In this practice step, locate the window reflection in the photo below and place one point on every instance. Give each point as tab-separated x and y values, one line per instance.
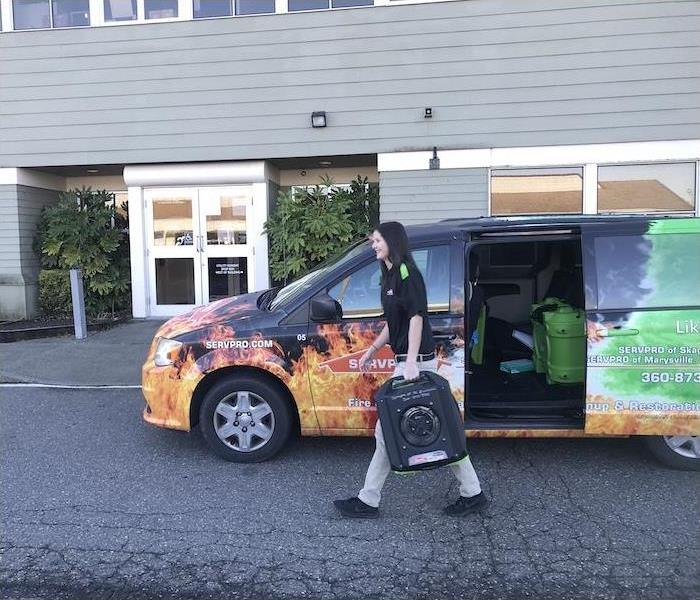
226	220
646	188
172	222
120	10
537	191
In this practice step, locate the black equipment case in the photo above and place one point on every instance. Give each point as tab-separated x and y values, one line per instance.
422	424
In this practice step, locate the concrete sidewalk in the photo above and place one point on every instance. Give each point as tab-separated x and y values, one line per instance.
110	357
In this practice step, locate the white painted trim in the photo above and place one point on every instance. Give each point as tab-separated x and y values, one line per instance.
185	9
7	15
137	252
549	156
281	6
260	271
31	178
194	174
590	189
97	16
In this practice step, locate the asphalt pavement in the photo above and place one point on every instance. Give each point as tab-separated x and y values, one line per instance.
96	504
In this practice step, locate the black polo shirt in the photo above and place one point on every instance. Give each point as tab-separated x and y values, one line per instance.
404	296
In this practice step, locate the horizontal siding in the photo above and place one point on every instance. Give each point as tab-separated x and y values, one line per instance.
9	232
496	72
31	200
413	197
20	207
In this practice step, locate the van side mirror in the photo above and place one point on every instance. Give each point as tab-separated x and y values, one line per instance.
325	309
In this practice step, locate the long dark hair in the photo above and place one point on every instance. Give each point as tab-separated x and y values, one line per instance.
394	235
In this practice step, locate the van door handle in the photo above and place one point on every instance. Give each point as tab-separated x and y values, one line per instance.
444	336
616	332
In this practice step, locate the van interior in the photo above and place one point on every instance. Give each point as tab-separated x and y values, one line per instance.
524	289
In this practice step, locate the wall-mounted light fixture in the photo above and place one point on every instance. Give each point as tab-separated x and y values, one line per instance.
318	118
428	112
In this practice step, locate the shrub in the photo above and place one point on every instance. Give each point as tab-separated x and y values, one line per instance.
309	226
54	293
84	230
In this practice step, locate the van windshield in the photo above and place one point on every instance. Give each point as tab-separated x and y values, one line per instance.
291	291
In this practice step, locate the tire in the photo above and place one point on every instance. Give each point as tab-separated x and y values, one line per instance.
244	419
676	451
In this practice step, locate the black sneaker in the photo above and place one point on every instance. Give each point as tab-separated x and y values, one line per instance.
354	508
465	505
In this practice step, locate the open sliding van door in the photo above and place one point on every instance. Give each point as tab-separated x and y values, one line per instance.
642	285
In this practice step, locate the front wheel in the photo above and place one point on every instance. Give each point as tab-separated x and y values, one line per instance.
677	451
245	420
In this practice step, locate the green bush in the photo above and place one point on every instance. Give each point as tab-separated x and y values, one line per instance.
54	293
309	226
84	230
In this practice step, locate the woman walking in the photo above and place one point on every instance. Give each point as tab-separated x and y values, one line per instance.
407	331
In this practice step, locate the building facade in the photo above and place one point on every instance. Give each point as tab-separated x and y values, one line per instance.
199	111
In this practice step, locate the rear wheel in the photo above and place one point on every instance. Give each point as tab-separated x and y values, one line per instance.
677	451
245	420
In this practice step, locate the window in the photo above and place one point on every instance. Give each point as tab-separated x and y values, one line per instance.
254	7
358	293
43	14
32	14
349	3
71	13
211	8
160	9
120	10
307	4
321	4
537	191
661	187
647	271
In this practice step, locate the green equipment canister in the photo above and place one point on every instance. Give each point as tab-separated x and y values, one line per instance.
566	344
539	335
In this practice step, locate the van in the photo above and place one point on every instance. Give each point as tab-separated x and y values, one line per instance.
588	326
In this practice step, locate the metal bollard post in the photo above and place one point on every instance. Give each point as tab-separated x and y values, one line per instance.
76	290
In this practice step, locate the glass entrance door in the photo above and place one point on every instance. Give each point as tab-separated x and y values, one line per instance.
173	223
225	252
198	248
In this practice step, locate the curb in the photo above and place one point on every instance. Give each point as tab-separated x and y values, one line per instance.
18	335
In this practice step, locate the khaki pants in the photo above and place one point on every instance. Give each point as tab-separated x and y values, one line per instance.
379	467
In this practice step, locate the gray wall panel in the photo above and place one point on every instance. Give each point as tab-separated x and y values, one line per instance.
497	73
411	197
19	265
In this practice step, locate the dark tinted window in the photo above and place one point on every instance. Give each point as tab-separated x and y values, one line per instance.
648	271
507	255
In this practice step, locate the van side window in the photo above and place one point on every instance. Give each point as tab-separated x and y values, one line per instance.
358	293
648	271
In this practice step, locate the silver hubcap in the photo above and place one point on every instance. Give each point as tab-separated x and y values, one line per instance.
244	421
685	445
